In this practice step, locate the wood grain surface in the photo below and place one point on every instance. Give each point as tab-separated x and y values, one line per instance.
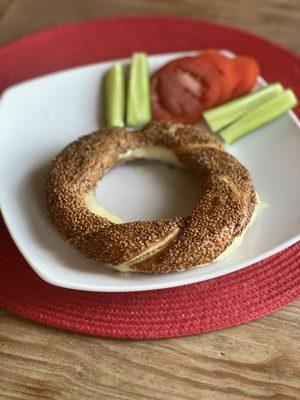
258	360
277	20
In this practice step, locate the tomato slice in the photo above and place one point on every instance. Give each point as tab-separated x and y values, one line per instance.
248	71
226	69
183	89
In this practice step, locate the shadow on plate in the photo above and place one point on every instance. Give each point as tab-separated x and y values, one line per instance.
32	201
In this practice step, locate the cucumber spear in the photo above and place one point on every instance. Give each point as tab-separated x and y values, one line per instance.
138	94
259	116
115	96
219	117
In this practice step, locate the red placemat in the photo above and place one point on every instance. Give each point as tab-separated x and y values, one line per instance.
229	300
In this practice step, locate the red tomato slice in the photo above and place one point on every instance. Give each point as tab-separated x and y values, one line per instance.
227	71
183	89
248	71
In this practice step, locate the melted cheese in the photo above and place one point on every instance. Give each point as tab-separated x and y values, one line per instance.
125	267
97	209
239	239
157	153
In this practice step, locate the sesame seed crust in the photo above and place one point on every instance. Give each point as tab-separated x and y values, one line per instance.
222	212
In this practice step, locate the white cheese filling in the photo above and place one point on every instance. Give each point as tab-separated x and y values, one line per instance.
125	267
97	209
157	153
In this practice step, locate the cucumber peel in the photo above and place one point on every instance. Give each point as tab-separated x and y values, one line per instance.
219	117
138	95
115	96
259	116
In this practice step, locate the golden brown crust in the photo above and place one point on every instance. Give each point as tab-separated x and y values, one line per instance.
223	211
128	240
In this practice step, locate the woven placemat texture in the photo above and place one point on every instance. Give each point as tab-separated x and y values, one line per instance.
218	303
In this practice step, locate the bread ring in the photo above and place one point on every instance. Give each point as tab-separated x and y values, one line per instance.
221	214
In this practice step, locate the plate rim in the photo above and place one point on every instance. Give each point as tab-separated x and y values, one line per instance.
152	286
162	286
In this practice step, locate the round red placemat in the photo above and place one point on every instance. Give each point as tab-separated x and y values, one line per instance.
229	300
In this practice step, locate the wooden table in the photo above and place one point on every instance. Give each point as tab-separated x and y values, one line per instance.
258	360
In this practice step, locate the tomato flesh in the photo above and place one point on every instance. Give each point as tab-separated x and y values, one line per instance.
183	89
227	72
248	71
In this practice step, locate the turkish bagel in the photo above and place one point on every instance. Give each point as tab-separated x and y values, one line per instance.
221	214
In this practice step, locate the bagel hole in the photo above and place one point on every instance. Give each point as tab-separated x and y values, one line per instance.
148	190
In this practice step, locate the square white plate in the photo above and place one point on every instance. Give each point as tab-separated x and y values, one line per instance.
39	117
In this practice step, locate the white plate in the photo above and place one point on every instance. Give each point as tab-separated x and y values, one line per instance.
39	117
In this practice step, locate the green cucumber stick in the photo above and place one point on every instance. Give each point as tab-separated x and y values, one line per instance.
138	94
259	116
115	96
223	115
